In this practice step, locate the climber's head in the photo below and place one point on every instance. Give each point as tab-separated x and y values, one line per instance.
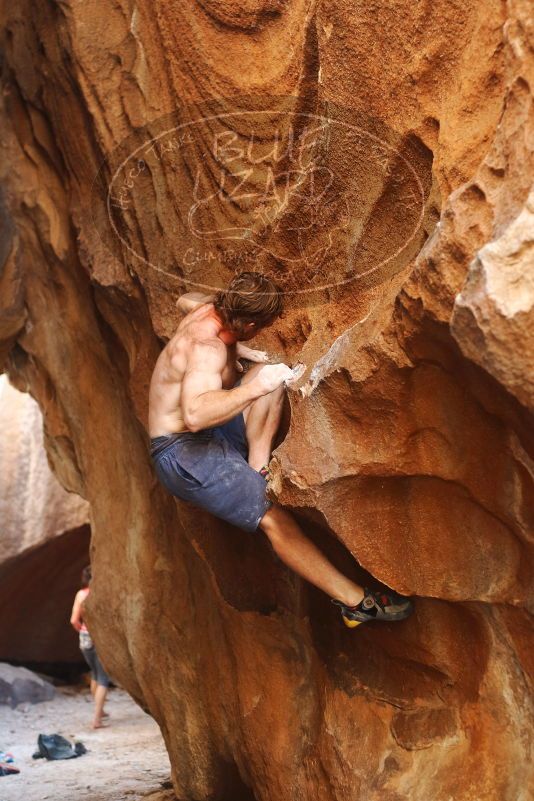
86	576
250	302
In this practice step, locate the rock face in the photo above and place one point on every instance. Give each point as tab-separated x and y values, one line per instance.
44	540
398	226
19	686
493	319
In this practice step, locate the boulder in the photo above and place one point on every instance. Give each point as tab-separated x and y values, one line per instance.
34	507
20	686
44	541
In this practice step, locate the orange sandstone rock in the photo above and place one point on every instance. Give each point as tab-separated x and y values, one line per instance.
408	453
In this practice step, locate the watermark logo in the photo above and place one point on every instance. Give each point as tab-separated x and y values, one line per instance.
316	199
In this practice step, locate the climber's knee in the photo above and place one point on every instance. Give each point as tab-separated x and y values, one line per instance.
262	416
250	374
277	395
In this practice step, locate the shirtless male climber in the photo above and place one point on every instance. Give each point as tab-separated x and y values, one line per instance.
212	433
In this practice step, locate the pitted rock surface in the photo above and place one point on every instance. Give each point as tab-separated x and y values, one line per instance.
408	451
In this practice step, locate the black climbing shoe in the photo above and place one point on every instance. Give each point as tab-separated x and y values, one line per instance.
386	606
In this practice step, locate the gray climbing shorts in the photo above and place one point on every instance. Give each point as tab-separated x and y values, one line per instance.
209	468
98	673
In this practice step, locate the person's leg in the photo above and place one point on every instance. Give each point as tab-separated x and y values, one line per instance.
262	420
93	687
100	700
302	556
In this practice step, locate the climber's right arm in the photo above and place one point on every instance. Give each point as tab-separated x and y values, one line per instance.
203	400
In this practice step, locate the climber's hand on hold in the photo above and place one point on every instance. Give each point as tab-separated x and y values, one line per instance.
297	371
256	356
270	377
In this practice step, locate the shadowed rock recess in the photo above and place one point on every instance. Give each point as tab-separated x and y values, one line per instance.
140	160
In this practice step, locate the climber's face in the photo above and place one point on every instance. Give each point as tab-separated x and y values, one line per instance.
248	331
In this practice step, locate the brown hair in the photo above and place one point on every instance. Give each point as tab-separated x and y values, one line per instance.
249	298
86	576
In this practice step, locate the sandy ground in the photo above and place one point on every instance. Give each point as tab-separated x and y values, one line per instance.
124	762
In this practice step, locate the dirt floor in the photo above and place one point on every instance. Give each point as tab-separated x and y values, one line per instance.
124	761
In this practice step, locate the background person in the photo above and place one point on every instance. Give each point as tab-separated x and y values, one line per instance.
99	677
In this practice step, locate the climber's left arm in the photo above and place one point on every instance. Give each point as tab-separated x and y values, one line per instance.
257	356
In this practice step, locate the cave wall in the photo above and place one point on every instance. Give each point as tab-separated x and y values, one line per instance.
409	444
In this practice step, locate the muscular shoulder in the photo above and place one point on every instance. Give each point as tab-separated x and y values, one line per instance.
198	346
206	352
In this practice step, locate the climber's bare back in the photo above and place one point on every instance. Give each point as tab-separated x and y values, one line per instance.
184	353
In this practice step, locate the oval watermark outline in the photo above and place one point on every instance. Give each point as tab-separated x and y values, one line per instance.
224	115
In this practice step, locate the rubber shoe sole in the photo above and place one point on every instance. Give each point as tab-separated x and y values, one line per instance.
355	617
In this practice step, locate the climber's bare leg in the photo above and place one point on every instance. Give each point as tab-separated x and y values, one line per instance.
302	556
262	420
